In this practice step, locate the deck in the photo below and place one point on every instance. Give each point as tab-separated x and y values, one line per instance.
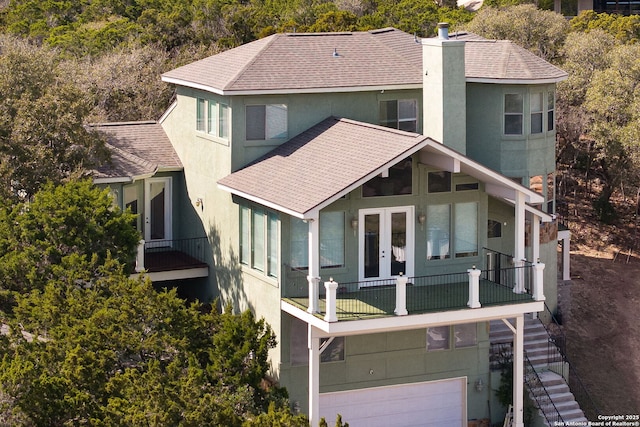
375	302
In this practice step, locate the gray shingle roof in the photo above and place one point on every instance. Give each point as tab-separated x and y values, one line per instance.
137	149
323	162
366	60
306	61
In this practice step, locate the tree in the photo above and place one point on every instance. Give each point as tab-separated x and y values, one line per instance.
73	219
109	350
539	31
42	137
625	29
613	99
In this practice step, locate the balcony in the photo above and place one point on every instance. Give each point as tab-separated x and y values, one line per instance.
180	259
425	294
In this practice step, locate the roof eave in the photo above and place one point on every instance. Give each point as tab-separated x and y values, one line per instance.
516	81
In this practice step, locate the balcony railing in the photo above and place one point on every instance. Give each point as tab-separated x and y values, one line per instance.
423	294
168	255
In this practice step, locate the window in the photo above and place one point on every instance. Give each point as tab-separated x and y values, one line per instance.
265	122
332	349
438	226
535	103
466	229
551	106
200	115
494	229
212	118
439	182
398	182
438	338
259	240
331	241
467	186
513	114
465	335
399	114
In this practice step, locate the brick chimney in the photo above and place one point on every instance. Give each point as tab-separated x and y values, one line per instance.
444	90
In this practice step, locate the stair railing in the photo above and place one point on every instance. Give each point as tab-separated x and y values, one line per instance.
558	338
540	394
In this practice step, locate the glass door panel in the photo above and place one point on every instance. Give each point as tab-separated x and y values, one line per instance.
398	243
371	246
157	214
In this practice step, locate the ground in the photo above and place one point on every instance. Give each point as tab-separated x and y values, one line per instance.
600	305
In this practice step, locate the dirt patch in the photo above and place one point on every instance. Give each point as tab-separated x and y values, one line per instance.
601	316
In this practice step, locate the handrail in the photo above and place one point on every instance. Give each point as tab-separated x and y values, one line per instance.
542	399
574	381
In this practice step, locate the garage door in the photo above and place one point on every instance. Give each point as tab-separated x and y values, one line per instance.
434	403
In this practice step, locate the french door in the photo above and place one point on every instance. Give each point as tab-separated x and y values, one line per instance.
157	212
386	243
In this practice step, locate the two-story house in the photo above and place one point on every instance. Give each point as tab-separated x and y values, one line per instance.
377	198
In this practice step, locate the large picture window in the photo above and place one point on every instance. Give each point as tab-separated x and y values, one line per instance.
265	122
513	113
438	229
466	229
259	239
398	182
464	243
331	241
399	114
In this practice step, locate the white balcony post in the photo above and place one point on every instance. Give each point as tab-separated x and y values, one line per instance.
314	265
140	257
313	294
474	287
314	377
538	281
331	288
518	373
519	276
401	296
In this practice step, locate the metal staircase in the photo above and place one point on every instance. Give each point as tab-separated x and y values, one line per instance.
547	389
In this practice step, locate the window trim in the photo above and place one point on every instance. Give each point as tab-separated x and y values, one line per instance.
539	112
551	111
513	114
253	219
386	122
210	120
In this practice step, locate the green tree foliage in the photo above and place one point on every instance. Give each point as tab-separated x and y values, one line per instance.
73	219
108	350
42	137
540	31
625	29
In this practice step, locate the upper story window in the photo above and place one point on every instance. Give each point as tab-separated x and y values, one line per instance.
399	114
535	103
265	122
551	106
513	113
331	241
396	181
463	228
259	239
212	118
439	182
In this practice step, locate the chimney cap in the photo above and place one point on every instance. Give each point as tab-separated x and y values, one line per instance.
443	25
443	30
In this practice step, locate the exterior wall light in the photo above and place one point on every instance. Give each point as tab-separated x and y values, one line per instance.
479	385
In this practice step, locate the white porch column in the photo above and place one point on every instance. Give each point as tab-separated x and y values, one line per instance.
535	238
401	296
331	288
565	236
314	264
518	373
314	377
538	281
140	257
474	287
518	253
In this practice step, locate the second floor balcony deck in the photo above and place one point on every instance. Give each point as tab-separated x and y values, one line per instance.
173	259
425	294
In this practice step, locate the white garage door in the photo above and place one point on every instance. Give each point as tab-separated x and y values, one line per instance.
434	403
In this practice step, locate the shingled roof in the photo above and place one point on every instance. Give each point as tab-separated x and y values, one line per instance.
350	61
334	157
321	164
138	149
